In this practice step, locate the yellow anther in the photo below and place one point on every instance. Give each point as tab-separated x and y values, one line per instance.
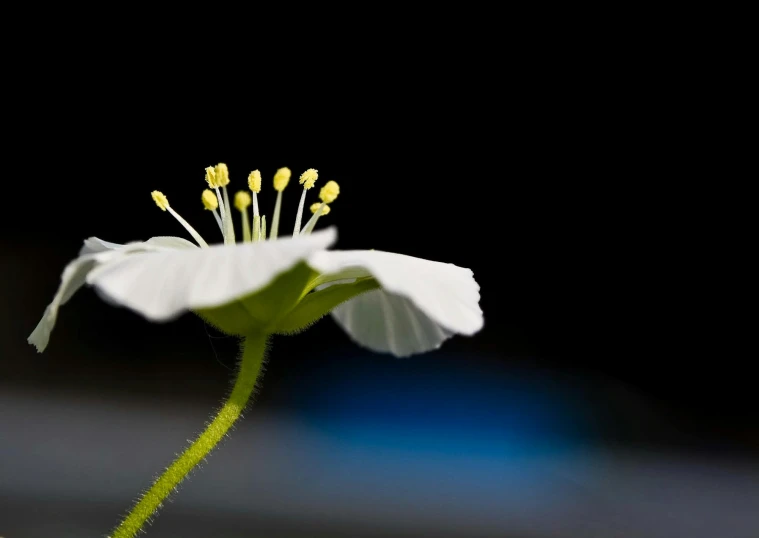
254	181
222	175
329	192
308	178
315	208
211	177
210	202
160	200
281	179
242	200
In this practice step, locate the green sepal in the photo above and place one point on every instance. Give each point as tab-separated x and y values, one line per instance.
317	304
263	309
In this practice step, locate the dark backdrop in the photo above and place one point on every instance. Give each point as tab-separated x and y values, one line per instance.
556	203
556	194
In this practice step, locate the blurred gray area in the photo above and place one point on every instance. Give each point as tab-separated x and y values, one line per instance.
70	465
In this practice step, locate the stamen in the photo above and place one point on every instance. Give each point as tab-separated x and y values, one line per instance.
162	202
318	210
254	183
211	204
212	183
307	179
221	175
222	208
242	202
256	228
222	180
281	179
322	208
263	228
209	200
329	192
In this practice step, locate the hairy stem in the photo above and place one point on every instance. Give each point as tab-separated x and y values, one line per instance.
254	349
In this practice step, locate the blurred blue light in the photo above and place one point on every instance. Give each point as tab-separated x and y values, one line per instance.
443	406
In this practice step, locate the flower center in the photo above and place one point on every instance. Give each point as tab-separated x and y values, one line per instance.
216	200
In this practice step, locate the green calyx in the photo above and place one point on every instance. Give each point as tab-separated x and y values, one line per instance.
289	304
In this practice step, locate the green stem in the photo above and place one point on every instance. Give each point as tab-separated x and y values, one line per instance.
254	349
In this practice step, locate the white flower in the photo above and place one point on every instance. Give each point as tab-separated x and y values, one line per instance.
384	301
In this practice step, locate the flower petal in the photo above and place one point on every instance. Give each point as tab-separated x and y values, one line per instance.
389	323
94	244
421	303
168	241
72	279
94	253
161	285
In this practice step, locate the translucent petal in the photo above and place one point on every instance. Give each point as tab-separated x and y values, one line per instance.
95	252
389	323
72	279
415	295
93	244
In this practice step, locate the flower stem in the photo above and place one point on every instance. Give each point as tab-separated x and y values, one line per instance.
254	349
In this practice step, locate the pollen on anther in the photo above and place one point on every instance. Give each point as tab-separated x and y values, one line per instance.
222	175
329	192
315	208
211	177
281	179
254	181
160	200
308	178
242	200
210	201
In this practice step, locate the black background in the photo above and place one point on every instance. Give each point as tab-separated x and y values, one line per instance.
549	174
568	158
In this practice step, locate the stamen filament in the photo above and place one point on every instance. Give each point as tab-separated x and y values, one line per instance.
256	228
195	235
245	226
299	215
309	227
256	225
263	228
163	204
255	205
223	213
218	221
229	226
211	203
242	202
307	179
275	220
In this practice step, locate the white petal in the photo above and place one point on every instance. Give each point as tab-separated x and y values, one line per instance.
73	277
94	253
389	324
161	285
167	241
93	244
421	303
